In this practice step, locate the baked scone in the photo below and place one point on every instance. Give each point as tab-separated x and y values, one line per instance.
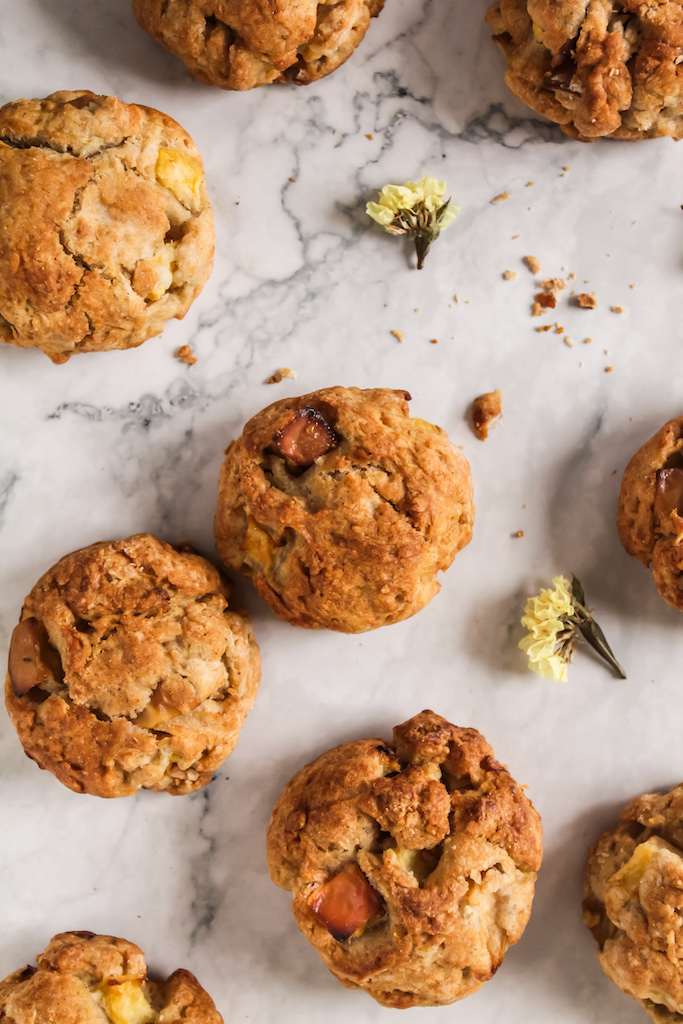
411	864
650	516
240	44
128	670
634	903
342	509
106	230
596	67
83	978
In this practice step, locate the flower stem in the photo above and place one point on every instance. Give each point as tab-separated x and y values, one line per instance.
590	630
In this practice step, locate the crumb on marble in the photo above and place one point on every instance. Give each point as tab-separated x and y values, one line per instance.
515	236
609	369
500	198
568	341
631	286
433	341
456	297
397	334
554	284
509	275
369	135
545	327
292	179
416	310
572	276
546	300
559	329
186	355
280	374
530	183
617	309
485	409
519	533
586	301
588	341
533	264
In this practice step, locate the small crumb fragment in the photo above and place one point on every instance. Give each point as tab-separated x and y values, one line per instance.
546	300
434	341
537	310
607	351
617	309
485	410
509	275
545	327
587	301
609	369
398	335
588	341
515	236
416	310
520	533
572	276
530	183
292	179
186	355
566	168
280	374
456	297
631	286
568	341
554	284
559	329
501	198
369	136
533	264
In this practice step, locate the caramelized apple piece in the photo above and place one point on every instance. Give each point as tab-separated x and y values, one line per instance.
306	437
668	492
346	903
25	666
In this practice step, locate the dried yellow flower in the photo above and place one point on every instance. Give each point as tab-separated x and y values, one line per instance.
416	208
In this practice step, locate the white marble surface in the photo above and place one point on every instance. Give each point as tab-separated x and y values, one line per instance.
109	444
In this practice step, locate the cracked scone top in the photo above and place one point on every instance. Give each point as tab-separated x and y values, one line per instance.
106	230
241	44
596	67
634	903
342	509
411	864
83	978
650	516
128	670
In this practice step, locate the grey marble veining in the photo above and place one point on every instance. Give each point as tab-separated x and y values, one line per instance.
109	444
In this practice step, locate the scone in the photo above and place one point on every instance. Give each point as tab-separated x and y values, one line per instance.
342	509
596	67
411	864
634	903
84	978
239	44
128	670
106	230
650	516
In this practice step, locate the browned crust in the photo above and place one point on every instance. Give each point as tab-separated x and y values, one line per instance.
241	44
356	540
596	67
654	541
67	985
95	251
638	929
435	789
145	677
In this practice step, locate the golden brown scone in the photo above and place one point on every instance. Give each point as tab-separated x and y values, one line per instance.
634	903
239	44
650	516
342	509
411	864
596	67
128	670
106	230
84	978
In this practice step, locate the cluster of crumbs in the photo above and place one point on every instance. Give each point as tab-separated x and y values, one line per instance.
186	355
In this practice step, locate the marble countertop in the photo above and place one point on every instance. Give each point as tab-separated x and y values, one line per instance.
110	444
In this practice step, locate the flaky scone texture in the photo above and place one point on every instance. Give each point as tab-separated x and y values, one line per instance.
650	515
83	978
355	539
106	230
634	903
240	44
596	67
128	670
434	836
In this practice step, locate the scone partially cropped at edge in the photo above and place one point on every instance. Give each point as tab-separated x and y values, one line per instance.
128	670
634	903
650	516
342	509
596	67
411	864
241	44
106	230
83	978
